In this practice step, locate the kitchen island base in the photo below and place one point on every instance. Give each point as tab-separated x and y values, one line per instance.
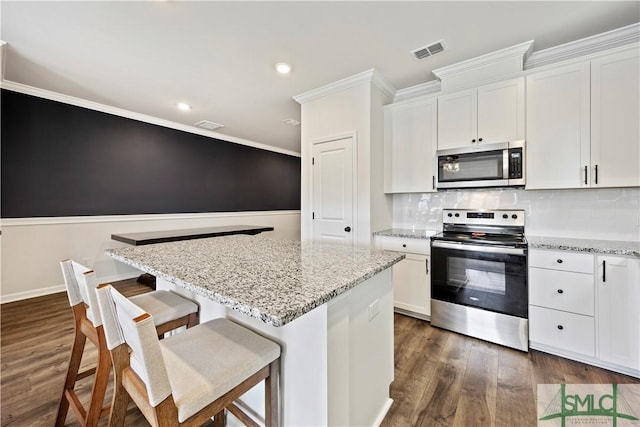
337	359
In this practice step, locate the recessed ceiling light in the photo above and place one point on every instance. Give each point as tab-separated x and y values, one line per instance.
283	68
184	106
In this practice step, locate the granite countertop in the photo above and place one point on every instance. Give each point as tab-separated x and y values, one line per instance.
275	281
406	232
610	247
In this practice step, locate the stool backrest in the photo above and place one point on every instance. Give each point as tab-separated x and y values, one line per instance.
81	282
125	322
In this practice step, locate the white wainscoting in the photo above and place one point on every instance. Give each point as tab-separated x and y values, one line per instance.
31	248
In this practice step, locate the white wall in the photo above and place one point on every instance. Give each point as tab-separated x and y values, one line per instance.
336	114
608	214
31	248
349	109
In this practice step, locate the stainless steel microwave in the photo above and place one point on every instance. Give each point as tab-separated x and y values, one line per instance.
491	165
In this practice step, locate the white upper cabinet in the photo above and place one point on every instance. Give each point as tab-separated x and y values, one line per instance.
615	120
583	126
618	318
558	127
410	144
483	115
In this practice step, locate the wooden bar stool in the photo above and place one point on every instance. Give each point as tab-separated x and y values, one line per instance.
171	311
188	378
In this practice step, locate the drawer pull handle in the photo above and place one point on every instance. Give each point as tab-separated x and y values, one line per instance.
560	327
560	291
559	261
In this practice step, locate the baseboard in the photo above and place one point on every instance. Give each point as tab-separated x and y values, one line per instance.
383	412
19	296
584	359
410	313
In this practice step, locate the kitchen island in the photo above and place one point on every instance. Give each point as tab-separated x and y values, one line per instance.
329	307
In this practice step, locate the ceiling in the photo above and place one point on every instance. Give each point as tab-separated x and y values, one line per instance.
219	56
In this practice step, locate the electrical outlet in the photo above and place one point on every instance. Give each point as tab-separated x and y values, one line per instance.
373	310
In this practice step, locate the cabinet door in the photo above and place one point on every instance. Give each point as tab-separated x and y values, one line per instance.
618	318
501	111
457	119
615	123
558	122
410	143
412	284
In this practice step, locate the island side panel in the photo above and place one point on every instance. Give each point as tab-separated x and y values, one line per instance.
303	376
360	324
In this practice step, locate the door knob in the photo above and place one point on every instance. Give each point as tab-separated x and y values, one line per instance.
347	229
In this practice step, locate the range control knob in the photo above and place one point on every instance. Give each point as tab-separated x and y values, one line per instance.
457	215
514	216
449	214
505	216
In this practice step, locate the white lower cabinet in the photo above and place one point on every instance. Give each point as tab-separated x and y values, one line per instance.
566	331
411	276
618	295
586	307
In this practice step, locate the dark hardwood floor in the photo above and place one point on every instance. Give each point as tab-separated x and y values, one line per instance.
441	378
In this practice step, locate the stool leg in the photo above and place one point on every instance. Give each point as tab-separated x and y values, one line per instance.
271	395
120	357
219	420
100	380
77	349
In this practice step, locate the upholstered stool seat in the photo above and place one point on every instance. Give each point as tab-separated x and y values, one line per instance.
187	378
165	306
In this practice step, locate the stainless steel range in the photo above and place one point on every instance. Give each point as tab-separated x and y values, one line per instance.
479	276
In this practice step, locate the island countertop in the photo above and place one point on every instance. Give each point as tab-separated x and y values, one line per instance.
275	281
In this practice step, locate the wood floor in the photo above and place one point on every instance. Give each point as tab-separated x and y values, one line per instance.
441	378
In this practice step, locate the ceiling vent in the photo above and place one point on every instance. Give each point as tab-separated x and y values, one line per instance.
291	122
427	51
206	124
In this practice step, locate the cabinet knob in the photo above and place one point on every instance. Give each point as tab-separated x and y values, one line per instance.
560	291
560	327
404	245
473	140
559	261
347	229
479	139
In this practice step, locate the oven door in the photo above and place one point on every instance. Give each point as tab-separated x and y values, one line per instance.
486	277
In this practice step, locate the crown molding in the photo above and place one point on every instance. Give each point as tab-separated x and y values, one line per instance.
519	50
427	88
79	102
369	76
588	45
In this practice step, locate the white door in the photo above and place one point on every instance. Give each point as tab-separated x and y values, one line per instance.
557	121
618	318
333	191
457	119
615	128
412	146
501	111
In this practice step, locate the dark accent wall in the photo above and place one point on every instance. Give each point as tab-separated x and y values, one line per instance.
63	160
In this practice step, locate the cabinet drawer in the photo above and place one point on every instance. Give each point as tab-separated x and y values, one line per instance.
402	244
571	332
562	290
562	260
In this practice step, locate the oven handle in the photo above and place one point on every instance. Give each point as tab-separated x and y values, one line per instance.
479	248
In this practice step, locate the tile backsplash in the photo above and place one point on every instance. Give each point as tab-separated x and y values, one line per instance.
609	214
